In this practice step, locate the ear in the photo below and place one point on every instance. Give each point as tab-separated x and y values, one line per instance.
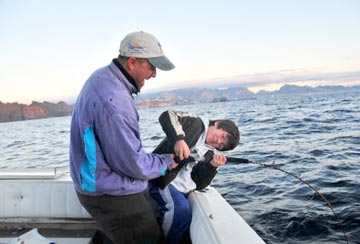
131	63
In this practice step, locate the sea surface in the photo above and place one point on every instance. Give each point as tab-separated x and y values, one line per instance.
314	136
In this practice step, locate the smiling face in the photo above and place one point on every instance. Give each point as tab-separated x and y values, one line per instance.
217	138
140	69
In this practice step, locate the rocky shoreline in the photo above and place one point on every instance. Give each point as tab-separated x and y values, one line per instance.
16	111
36	110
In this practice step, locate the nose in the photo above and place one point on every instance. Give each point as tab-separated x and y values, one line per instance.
153	74
218	140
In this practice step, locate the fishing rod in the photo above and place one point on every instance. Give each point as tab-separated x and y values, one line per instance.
274	166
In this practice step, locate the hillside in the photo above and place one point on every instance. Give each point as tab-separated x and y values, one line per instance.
231	93
194	95
17	111
293	89
37	110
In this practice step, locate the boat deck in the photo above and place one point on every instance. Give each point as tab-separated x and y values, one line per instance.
44	199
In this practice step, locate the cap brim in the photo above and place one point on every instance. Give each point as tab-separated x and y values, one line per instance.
162	63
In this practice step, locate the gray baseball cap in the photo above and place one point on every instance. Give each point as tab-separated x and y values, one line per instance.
144	45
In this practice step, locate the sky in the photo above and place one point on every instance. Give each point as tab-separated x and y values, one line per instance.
49	48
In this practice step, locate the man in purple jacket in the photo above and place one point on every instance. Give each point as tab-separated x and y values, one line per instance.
108	165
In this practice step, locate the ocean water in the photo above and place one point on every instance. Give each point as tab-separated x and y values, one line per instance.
315	136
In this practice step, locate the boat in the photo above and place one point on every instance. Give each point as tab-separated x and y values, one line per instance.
41	206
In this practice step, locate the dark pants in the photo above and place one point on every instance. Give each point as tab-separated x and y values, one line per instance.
124	219
176	213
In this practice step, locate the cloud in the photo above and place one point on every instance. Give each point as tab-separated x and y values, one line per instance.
290	76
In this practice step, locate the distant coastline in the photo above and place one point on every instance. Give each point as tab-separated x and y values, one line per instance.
36	110
233	92
16	111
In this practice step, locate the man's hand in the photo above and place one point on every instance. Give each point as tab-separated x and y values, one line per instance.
175	163
181	149
218	160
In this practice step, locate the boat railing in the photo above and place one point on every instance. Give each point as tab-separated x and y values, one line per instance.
33	173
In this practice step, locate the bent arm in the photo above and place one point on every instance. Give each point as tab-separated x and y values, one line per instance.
120	142
174	125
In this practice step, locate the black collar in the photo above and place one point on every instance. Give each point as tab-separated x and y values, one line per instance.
130	79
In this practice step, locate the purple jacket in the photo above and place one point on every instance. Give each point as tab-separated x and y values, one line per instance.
106	154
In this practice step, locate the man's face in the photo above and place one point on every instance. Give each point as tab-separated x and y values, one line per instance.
143	70
217	138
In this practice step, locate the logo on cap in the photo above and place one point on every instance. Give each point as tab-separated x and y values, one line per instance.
136	47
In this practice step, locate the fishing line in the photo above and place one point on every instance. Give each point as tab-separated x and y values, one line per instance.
274	166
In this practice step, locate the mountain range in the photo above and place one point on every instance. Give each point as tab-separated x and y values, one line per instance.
231	93
36	110
293	89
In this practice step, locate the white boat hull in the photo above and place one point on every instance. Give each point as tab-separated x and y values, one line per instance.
37	201
216	222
